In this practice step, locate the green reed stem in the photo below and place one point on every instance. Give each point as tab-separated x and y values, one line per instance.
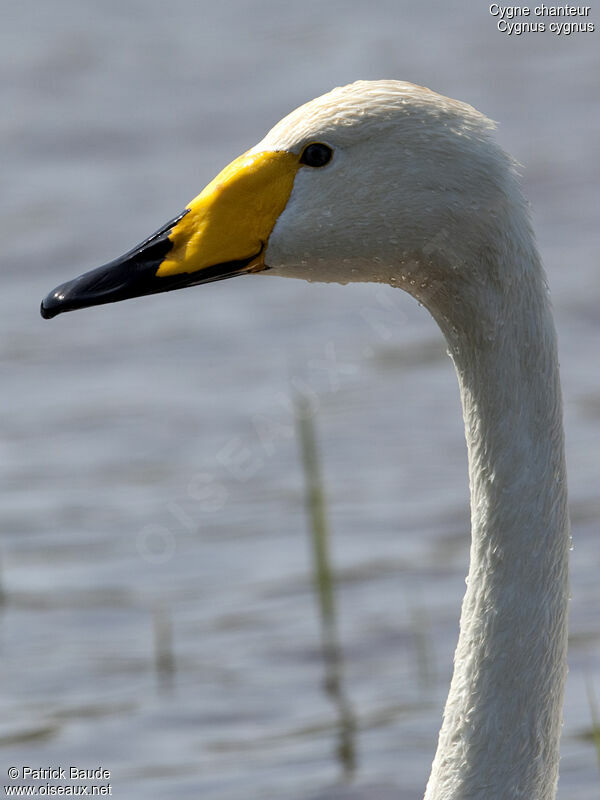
324	584
595	714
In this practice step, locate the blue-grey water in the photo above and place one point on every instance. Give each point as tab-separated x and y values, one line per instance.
152	498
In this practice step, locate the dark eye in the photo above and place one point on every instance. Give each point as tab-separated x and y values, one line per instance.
316	155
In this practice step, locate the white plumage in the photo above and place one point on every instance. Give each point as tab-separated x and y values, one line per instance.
419	195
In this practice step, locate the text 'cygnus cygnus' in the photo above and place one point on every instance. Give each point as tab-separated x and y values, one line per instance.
389	182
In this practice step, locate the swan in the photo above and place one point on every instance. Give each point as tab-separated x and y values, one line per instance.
390	182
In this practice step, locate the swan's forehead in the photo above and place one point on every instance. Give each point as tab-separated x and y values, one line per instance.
351	113
337	115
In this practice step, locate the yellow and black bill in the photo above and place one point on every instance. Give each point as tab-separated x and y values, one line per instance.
136	274
222	233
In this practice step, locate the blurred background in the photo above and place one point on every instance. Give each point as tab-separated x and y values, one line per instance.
158	615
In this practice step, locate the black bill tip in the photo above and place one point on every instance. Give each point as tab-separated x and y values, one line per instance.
115	281
131	275
51	305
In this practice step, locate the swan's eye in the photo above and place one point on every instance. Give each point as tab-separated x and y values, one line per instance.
316	155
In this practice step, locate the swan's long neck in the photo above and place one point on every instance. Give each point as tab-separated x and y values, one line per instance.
500	734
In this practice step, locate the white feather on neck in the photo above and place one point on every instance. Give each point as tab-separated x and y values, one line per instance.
503	715
420	196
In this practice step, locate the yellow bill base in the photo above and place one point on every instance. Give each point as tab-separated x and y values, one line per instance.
232	218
